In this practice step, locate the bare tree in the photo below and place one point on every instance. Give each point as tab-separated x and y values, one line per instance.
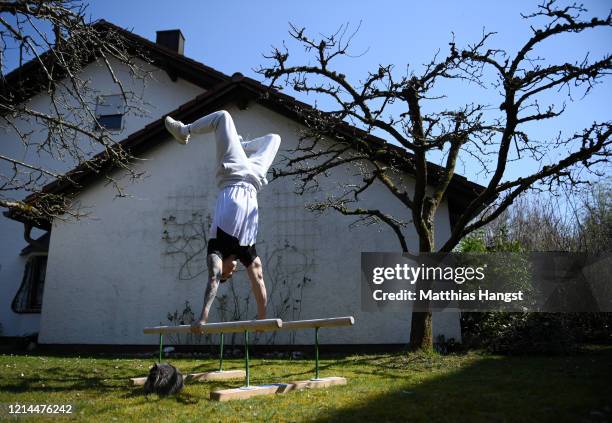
576	223
535	223
384	103
54	42
595	220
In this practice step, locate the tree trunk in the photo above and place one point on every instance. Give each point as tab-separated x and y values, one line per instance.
420	331
421	337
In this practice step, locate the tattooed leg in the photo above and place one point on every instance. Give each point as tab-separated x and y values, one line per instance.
215	266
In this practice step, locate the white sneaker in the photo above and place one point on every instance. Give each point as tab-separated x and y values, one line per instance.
176	129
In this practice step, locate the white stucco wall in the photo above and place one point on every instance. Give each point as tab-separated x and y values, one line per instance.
160	95
123	268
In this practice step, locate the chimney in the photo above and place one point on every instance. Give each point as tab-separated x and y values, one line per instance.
171	39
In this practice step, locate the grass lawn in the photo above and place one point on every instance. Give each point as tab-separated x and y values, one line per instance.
382	387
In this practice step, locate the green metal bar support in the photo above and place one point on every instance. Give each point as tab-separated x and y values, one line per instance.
246	358
221	353
316	353
161	347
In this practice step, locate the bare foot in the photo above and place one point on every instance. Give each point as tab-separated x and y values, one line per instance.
196	325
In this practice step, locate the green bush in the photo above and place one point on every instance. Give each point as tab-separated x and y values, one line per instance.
519	333
528	333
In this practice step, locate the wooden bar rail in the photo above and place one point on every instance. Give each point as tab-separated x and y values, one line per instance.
224	327
254	325
319	323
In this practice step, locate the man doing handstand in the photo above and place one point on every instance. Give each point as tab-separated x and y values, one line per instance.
241	173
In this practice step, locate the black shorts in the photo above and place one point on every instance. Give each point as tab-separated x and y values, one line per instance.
225	245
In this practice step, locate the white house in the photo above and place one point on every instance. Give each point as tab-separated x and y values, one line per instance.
139	260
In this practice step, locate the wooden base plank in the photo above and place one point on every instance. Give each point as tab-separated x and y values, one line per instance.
218	375
200	377
244	393
312	384
138	381
276	388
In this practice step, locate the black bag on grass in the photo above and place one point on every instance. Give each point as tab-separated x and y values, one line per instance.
163	379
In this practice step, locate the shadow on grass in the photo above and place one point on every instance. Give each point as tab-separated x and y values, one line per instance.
67	385
60	379
182	397
564	388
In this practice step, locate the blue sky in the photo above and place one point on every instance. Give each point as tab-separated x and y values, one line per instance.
231	36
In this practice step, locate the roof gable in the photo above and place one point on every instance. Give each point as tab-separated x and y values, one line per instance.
28	80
